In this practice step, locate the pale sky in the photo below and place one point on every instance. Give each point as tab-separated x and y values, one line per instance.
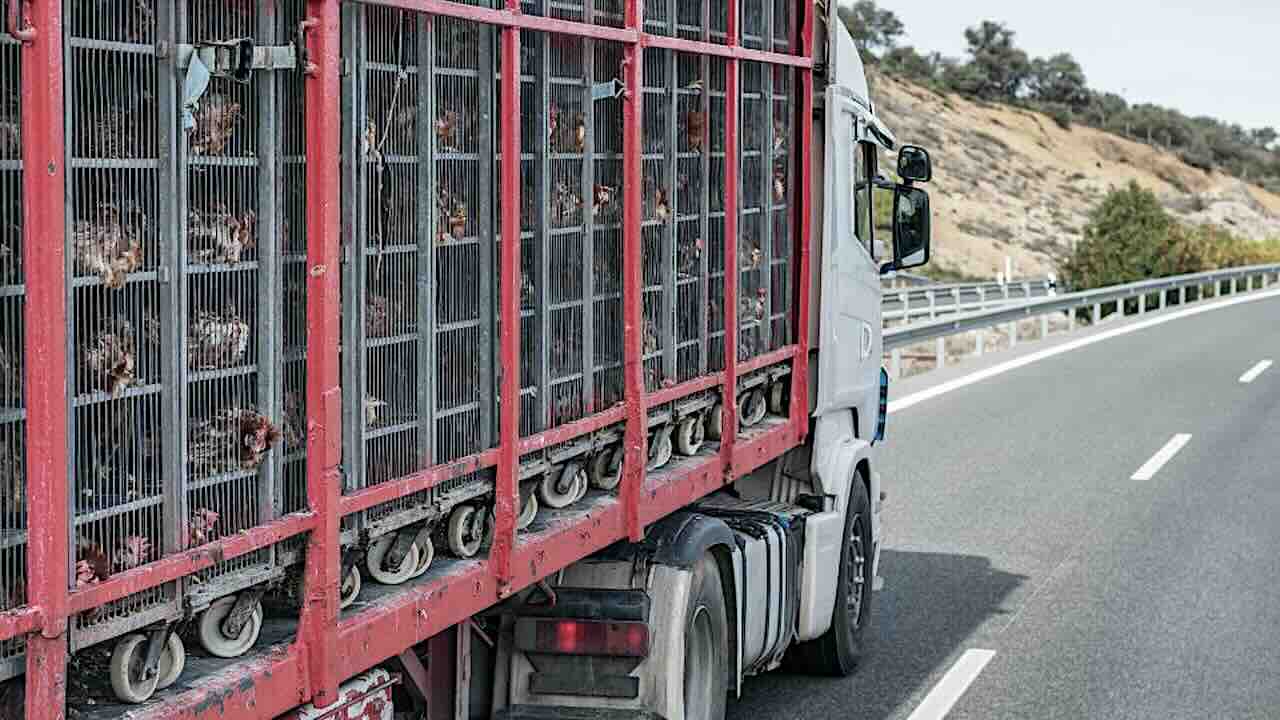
1204	57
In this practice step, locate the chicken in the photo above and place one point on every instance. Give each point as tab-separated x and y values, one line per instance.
779	135
219	236
13	484
696	130
527	290
377	316
604	196
216	120
217	341
110	358
580	133
652	343
779	186
235	439
369	141
202	527
553	124
447	131
10	133
372	406
92	565
107	248
10	378
688	256
750	255
565	205
661	208
458	221
134	552
295	422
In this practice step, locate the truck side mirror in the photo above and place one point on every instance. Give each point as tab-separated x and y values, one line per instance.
911	228
914	164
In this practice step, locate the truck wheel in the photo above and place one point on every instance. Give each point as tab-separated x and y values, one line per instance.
215	642
752	408
128	661
350	588
706	646
172	662
836	653
660	450
689	435
606	468
559	487
466	531
373	561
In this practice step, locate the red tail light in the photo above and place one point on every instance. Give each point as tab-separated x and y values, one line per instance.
583	637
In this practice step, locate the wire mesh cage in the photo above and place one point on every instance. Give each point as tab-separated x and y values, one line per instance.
716	73
121	327
13	493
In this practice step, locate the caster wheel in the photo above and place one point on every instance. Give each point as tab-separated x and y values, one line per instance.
778	398
374	558
466	531
690	434
426	553
660	450
606	468
128	660
752	408
581	484
560	489
172	662
714	418
350	589
215	642
528	508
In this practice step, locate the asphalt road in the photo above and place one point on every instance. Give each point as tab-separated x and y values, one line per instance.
1014	526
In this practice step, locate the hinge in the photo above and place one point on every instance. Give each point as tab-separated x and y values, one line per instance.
238	58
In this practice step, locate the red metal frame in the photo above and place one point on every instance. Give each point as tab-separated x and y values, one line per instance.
327	650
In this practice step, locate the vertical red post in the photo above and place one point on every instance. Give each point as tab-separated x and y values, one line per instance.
318	625
800	373
729	415
506	490
44	235
635	444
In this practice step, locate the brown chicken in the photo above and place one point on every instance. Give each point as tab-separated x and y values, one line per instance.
372	407
652	343
235	439
458	221
750	255
369	141
565	205
219	236
604	196
779	135
216	120
580	133
751	310
133	552
377	316
110	358
447	131
696	130
107	248
202	528
553	124
779	186
92	565
217	341
687	257
661	207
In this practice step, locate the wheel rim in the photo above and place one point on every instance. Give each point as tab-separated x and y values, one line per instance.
426	553
756	403
216	642
378	553
128	661
699	660
461	532
551	494
528	511
855	575
172	662
350	588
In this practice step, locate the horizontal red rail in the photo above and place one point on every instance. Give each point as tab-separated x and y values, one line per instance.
20	621
773	357
684	390
191	561
699	47
417	482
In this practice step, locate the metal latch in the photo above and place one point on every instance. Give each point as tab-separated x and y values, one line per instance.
238	58
608	90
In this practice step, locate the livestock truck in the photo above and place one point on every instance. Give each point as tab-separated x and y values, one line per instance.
437	358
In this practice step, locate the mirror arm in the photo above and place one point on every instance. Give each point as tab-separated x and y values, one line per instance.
888	267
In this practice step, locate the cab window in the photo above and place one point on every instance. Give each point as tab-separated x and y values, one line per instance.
863	171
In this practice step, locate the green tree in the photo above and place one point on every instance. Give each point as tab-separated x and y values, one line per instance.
1059	80
874	30
1126	240
906	62
999	68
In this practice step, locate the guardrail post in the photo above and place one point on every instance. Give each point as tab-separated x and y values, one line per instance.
955	298
1097	314
1013	334
1071	320
1235	282
1142	304
906	307
896	364
933	305
1184	290
1044	326
982	298
982	341
941	350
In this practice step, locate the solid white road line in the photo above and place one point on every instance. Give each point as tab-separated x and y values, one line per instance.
944	388
1255	372
1162	458
944	695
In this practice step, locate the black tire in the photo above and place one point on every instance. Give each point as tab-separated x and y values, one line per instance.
837	652
706	644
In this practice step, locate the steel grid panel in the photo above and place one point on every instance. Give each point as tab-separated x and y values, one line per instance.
125	487
716	70
13	356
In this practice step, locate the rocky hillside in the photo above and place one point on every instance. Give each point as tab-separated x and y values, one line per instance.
1010	182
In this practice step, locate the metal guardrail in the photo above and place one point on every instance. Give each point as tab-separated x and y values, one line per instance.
906	305
1240	280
